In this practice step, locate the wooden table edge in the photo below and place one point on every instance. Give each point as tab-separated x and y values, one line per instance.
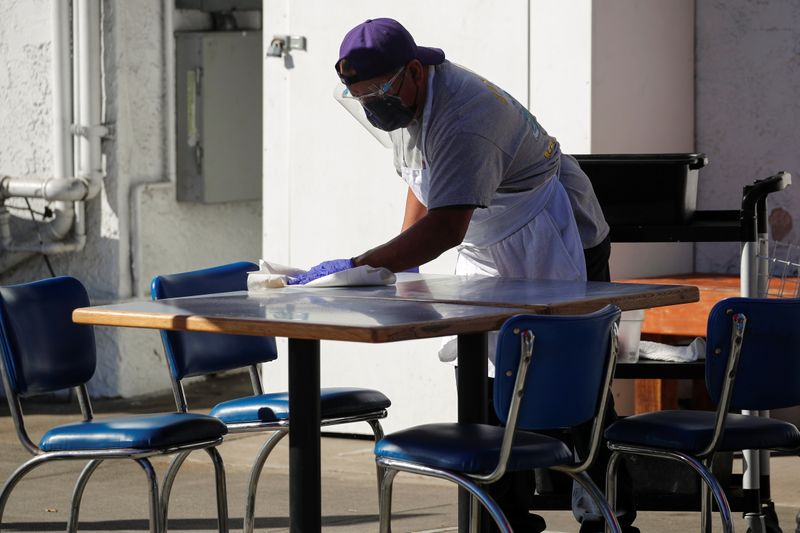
679	294
288	329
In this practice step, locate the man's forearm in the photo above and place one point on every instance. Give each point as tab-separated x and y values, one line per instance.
427	239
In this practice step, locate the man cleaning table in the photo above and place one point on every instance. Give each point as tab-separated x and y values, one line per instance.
484	177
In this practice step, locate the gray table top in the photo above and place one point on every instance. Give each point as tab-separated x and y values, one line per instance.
418	306
538	296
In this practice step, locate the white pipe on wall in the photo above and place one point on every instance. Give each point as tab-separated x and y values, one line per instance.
169	80
62	91
63	164
71	190
90	161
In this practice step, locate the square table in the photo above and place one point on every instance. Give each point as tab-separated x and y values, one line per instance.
418	306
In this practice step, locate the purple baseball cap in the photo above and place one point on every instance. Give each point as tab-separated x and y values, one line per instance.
379	46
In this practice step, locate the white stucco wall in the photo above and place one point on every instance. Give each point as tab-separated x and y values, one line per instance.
748	109
131	237
25	40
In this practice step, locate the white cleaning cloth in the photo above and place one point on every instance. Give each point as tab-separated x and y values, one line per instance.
273	275
677	354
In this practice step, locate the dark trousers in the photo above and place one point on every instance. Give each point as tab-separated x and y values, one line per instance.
597	261
514	491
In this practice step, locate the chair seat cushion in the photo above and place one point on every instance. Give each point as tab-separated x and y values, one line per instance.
691	431
273	407
140	432
471	448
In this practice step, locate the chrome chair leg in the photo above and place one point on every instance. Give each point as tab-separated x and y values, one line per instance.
487	501
462	481
705	504
705	474
16	476
166	486
385	499
588	485
155	514
377	430
77	494
715	488
611	484
222	492
474	514
255	474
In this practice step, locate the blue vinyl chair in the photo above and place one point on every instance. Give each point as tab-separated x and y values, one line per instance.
550	372
196	354
44	351
752	363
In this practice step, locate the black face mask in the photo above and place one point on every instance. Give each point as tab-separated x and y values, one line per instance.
389	113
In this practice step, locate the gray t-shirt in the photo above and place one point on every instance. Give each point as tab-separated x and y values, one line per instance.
477	140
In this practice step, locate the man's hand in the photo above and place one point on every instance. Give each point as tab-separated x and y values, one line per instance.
323	269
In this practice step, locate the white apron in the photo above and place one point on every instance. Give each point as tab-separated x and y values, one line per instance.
529	234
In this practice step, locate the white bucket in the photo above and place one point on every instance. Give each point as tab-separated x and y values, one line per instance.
630	333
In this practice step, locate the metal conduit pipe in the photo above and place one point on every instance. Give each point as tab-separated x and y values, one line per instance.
67	189
63	164
50	241
53	247
90	130
21	250
49	238
60	224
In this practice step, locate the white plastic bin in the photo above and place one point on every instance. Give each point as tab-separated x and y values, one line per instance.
630	333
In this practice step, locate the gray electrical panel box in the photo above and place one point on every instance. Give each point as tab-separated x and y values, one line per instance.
218	108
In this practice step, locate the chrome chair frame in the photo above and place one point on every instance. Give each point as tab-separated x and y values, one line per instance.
473	483
96	457
700	462
724	379
280	428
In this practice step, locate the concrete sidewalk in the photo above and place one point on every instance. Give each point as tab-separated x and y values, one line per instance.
115	499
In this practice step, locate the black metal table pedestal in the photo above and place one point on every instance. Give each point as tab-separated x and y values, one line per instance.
305	498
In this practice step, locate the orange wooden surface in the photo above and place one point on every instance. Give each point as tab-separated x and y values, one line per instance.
687	320
674	323
655	395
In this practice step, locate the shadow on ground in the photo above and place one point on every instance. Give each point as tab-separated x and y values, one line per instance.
201	524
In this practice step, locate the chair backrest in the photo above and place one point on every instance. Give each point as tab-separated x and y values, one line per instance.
195	354
768	374
567	373
43	350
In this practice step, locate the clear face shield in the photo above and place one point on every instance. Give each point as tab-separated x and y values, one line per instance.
405	141
353	106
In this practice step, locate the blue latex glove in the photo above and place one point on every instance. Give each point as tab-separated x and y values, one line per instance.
413	270
323	269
